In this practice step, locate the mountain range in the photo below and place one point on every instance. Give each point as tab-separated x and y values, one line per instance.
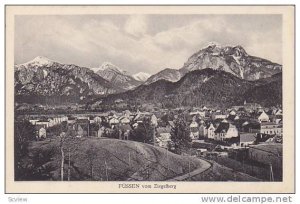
213	75
209	87
45	81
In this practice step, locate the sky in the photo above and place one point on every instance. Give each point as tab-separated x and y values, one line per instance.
142	43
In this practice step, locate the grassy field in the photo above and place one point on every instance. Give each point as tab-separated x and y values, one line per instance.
102	159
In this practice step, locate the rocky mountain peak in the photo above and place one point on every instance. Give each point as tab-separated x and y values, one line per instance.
110	66
117	76
38	61
232	59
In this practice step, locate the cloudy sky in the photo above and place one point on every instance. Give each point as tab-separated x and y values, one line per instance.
147	43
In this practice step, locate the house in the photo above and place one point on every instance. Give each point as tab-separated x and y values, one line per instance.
113	121
218	115
211	131
81	132
194	130
124	120
42	122
71	120
153	120
41	132
82	127
82	117
101	131
232	112
163	136
247	139
263	117
97	119
269	128
198	113
225	131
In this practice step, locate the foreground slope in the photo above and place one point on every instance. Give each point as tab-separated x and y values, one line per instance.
109	159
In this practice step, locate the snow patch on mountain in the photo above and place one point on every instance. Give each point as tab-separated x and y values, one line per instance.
110	66
39	61
141	76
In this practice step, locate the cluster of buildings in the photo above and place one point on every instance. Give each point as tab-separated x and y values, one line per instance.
238	125
93	125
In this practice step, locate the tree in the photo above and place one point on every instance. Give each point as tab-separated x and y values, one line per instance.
91	156
144	132
68	143
24	132
180	135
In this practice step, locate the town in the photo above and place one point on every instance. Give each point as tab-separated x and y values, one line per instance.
247	138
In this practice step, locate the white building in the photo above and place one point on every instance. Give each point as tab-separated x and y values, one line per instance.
226	130
263	117
42	133
211	131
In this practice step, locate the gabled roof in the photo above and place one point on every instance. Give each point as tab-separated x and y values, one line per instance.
171	123
223	127
263	113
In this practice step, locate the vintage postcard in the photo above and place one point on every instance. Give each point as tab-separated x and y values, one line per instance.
150	99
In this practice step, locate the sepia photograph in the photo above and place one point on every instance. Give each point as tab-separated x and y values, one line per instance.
122	96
